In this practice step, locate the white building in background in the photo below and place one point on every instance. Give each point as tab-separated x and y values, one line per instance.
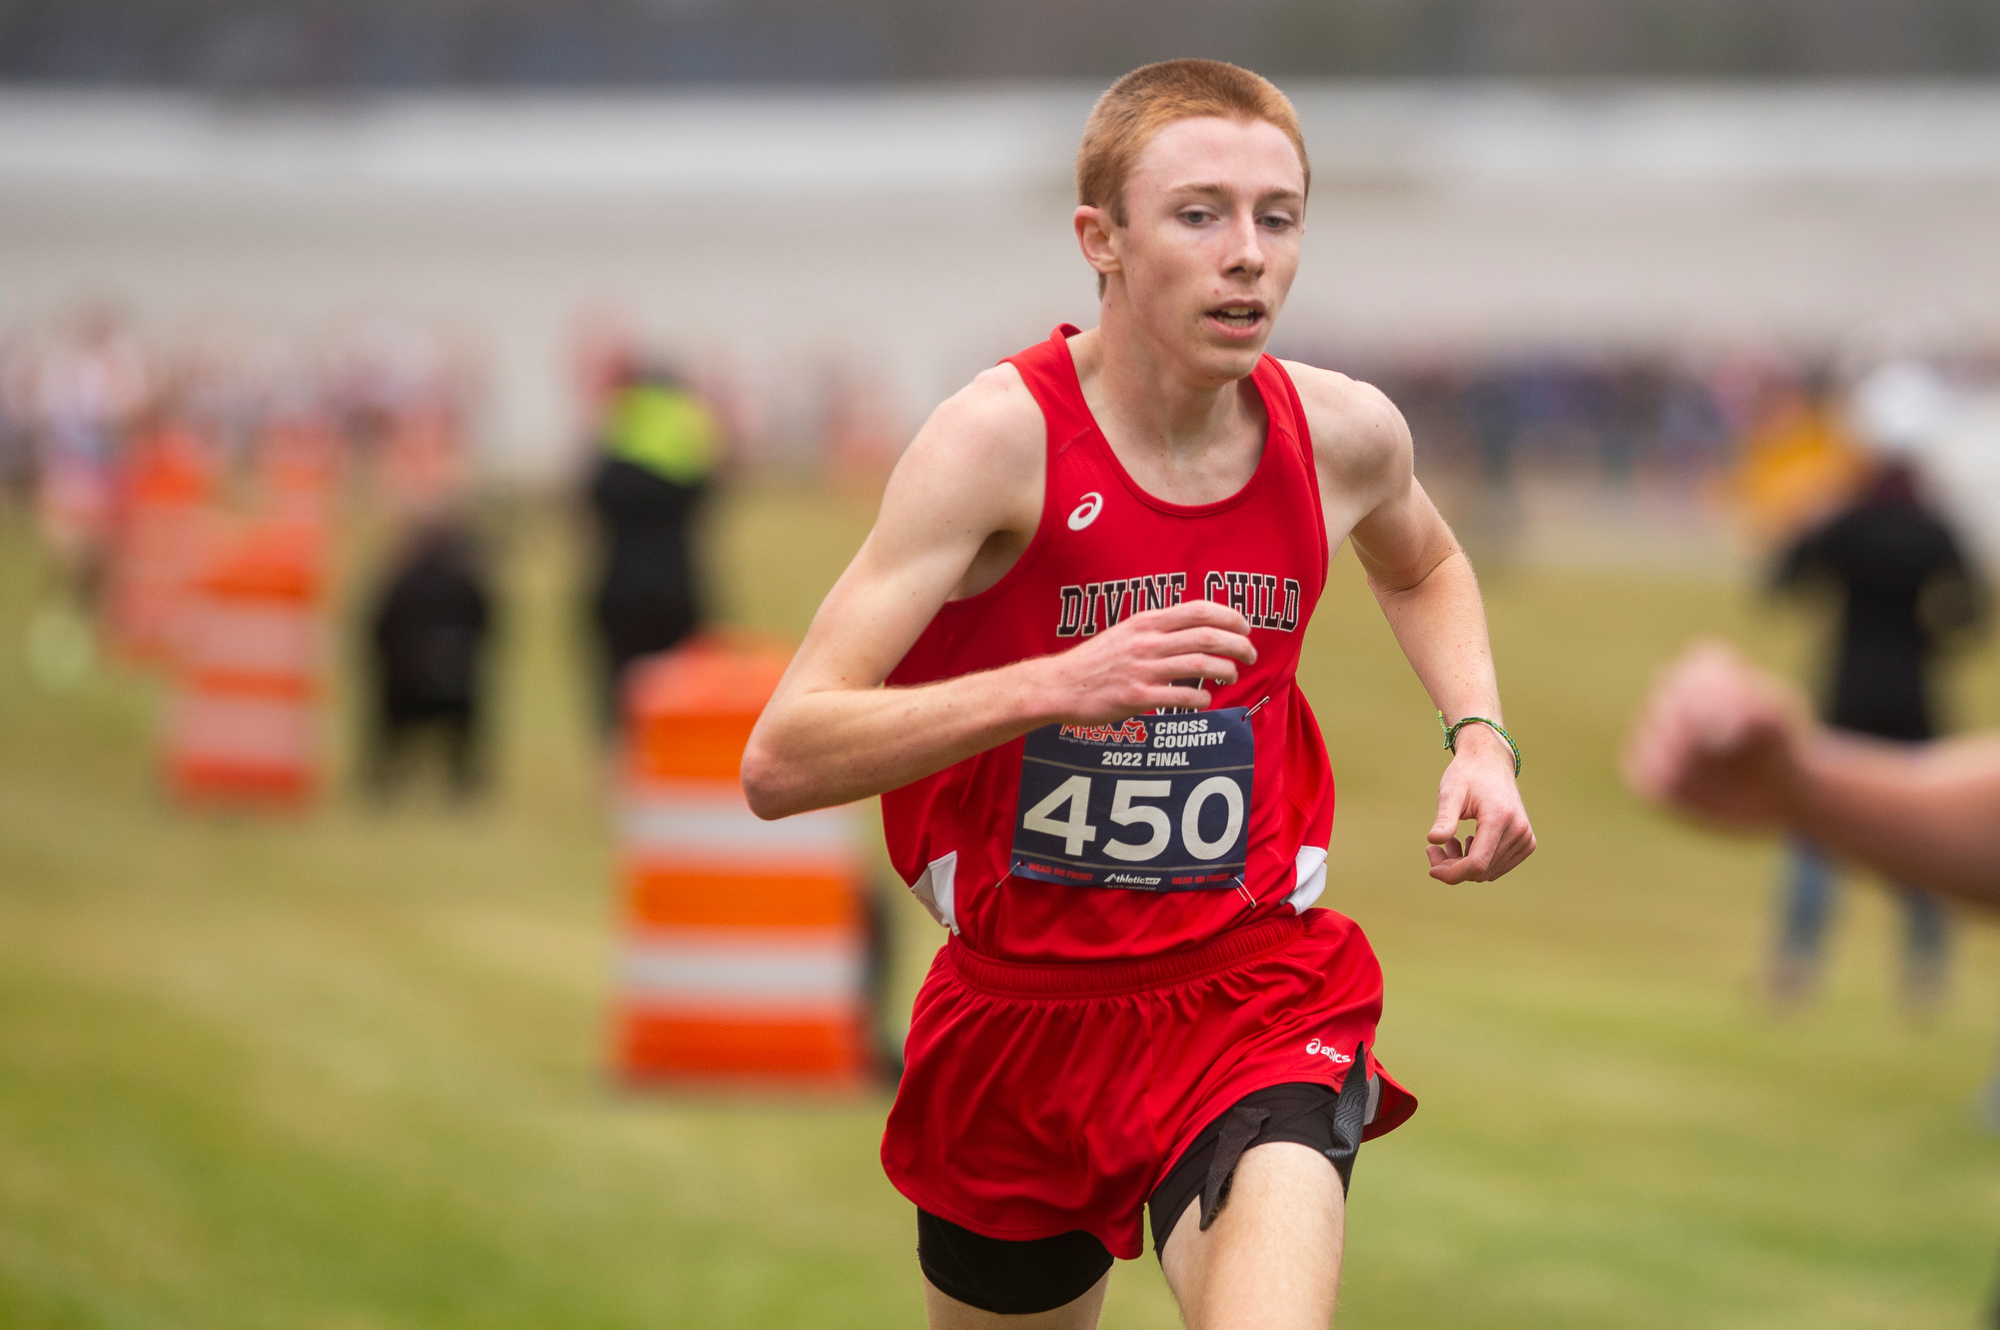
915	236
1964	468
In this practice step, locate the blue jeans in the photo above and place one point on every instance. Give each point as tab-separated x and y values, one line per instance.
1808	908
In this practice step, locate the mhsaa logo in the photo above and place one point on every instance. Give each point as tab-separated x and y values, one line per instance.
1327	1051
1133	731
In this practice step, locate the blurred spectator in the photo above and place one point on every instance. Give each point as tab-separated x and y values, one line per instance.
17	437
89	387
398	391
428	632
1693	437
1798	461
661	446
1634	417
1903	586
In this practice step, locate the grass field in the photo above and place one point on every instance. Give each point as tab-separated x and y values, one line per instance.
343	1071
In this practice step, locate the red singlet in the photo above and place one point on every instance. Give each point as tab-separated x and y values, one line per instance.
1002	860
1133	952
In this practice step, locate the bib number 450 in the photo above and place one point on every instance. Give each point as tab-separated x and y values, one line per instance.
1076	831
1179	821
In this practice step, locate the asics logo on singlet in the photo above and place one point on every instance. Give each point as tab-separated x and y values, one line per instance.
1327	1051
1086	512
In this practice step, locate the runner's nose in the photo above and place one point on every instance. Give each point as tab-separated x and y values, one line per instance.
1246	254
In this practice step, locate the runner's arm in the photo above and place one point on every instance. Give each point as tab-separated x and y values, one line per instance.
1428	593
1924	817
1723	742
832	733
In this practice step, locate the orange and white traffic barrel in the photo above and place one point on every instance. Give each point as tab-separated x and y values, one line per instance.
165	533
747	948
297	469
421	467
243	718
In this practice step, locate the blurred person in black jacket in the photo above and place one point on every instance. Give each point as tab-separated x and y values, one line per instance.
1904	588
661	446
429	629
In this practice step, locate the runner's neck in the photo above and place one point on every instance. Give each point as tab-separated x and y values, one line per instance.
1182	442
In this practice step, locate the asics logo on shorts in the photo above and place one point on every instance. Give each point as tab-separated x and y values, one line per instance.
1086	512
1327	1051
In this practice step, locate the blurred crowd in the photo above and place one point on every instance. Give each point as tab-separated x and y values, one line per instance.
190	493
165	474
92	413
1688	421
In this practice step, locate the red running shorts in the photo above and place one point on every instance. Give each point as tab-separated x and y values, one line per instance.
1042	1099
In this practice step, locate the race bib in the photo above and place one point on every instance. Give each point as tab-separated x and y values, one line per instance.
1159	803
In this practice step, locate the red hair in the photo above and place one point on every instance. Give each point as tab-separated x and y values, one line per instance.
1150	98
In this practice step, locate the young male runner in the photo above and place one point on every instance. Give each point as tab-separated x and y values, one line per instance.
1065	659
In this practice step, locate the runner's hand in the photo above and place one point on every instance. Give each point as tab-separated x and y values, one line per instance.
1132	668
1479	786
1718	739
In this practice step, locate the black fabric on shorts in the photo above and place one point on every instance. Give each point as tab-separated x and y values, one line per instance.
1008	1278
1308	1113
1017	1278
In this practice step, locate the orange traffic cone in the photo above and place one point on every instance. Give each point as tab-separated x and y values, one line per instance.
243	718
746	954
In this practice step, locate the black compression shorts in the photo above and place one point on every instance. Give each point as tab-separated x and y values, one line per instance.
1015	1278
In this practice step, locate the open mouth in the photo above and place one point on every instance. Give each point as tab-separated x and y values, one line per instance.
1238	318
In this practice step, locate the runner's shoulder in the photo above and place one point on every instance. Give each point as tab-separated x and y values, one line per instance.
1356	430
976	465
992	422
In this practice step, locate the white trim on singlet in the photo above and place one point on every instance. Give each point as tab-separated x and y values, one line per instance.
934	889
1311	878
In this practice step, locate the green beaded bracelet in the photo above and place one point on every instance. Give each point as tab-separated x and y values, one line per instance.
1451	735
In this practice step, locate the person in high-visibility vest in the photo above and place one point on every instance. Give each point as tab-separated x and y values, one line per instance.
661	447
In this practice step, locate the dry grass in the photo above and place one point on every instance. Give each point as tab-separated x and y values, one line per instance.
344	1070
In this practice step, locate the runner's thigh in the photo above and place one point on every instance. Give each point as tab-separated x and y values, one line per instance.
1271	1259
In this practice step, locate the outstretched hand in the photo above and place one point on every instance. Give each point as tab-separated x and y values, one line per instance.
1718	740
1479	787
1151	660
